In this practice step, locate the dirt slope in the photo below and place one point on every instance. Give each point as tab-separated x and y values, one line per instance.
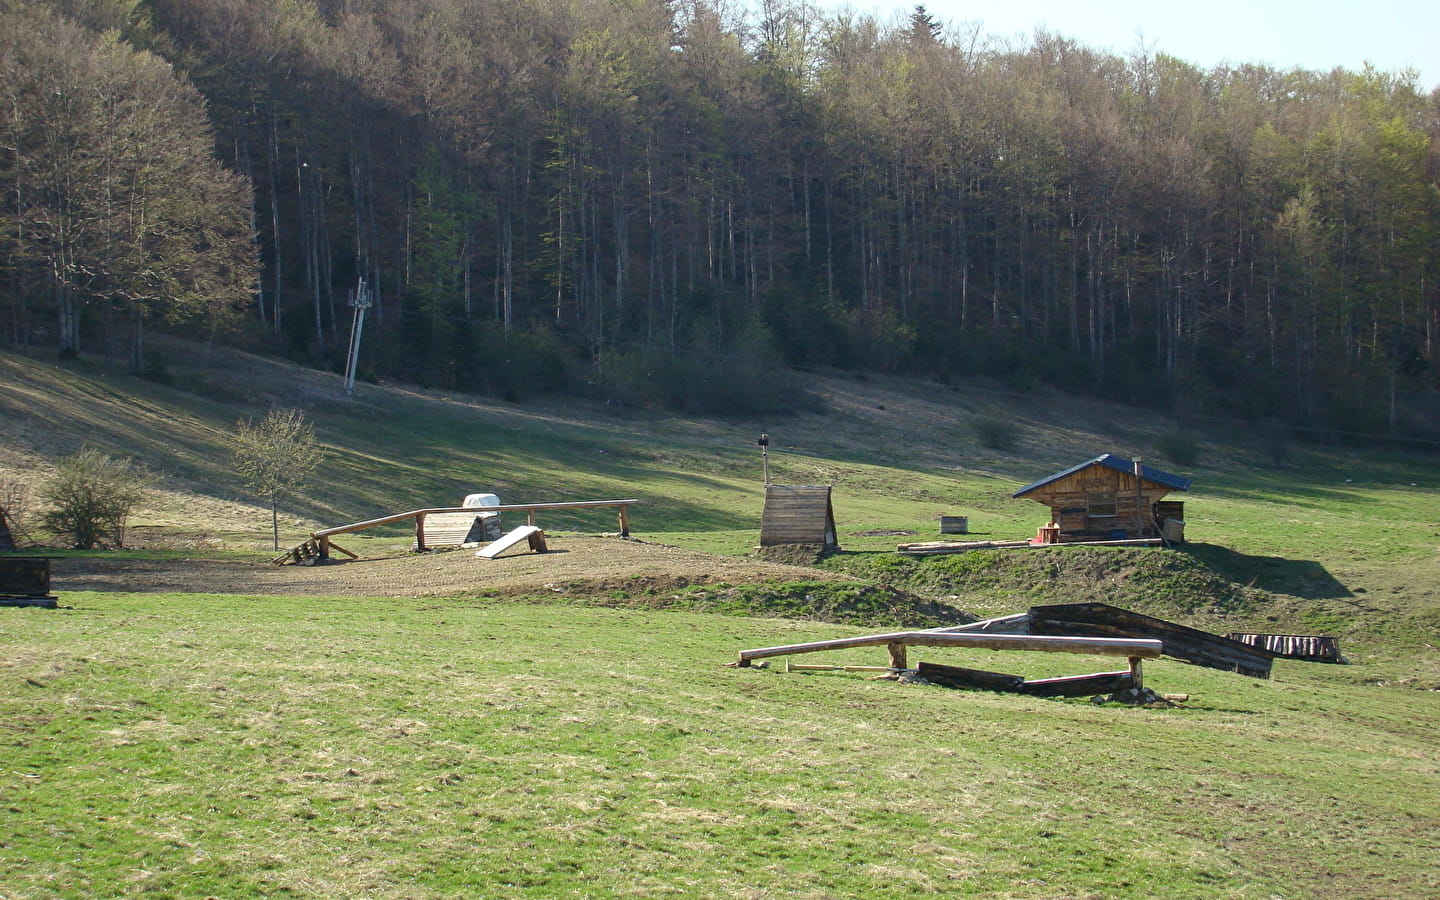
578	564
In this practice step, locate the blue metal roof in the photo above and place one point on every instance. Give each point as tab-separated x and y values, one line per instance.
1119	464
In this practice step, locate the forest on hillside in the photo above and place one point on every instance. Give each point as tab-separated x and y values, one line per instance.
681	201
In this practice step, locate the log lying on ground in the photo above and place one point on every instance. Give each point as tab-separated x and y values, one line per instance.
1080	685
1017	623
959	677
1068	686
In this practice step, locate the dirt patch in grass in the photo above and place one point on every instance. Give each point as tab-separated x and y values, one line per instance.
576	565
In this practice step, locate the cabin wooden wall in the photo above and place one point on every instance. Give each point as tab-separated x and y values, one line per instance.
1070	500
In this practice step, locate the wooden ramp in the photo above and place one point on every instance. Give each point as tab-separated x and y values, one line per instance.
798	514
443	531
534	535
1190	645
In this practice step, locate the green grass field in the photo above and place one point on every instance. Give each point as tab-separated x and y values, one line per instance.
192	746
234	746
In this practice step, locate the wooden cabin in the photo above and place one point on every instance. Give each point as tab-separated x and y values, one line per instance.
1109	498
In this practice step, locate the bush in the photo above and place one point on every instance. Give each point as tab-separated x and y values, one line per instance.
995	430
1277	444
90	497
1180	448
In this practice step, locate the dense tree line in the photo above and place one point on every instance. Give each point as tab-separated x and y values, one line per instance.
661	199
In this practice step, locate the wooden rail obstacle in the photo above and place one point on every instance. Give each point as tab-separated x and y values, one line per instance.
941	548
323	542
897	643
1094	628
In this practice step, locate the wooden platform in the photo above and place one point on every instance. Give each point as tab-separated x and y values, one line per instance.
446	531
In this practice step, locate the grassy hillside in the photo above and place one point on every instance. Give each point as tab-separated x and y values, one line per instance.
1332	539
245	746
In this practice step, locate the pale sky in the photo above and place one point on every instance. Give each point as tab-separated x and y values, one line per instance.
1315	34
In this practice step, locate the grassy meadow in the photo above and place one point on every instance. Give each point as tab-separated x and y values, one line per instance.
239	746
192	746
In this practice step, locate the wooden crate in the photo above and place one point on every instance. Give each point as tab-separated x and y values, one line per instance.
25	581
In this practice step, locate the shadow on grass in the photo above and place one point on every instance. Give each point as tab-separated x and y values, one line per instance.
1276	574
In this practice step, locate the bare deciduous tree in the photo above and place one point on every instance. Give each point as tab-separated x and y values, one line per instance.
275	456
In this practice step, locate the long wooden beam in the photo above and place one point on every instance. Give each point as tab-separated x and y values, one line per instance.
1133	648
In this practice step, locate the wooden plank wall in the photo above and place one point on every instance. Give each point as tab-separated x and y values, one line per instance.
1308	647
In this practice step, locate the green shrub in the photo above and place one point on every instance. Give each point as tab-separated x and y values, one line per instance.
90	497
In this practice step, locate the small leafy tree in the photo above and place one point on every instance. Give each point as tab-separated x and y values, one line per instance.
90	497
275	456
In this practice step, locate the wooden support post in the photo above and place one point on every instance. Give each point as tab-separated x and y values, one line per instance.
624	521
1137	682
530	517
326	546
1139	501
420	532
897	656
